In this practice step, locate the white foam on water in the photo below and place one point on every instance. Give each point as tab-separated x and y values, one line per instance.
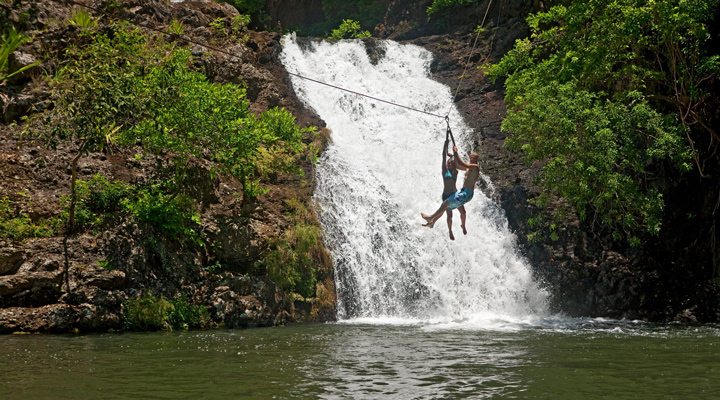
380	171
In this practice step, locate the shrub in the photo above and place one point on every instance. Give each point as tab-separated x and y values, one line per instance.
291	264
188	316
176	27
366	12
171	214
218	26
297	255
82	20
440	6
150	313
349	29
121	90
212	120
18	225
98	201
239	25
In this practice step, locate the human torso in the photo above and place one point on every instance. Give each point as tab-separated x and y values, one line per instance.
471	176
449	181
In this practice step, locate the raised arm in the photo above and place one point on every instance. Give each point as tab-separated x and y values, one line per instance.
445	152
460	161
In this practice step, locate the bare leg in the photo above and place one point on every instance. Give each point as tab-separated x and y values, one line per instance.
463	215
435	216
449	222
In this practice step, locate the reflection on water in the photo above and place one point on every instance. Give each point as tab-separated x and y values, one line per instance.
556	360
410	363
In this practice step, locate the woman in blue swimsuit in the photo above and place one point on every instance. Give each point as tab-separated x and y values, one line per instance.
450	174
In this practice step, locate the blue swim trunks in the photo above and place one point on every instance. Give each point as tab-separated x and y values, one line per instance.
460	197
445	195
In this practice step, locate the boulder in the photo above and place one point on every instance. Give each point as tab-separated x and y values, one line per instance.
11	259
30	289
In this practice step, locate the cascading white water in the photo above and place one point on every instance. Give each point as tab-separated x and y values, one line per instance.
380	171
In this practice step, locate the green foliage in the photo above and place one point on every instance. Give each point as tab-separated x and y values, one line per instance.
594	94
104	264
218	27
82	20
176	27
236	28
96	94
440	6
239	25
293	263
98	201
349	29
251	10
9	42
149	313
212	120
100	195
367	12
17	225
173	215
188	316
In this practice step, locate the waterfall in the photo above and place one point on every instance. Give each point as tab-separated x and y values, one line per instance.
380	171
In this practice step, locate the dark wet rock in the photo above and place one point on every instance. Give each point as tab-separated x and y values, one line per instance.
106	280
239	311
19	59
11	258
35	288
375	50
295	13
50	318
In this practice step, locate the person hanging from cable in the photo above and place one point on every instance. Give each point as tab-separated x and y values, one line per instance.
449	175
460	197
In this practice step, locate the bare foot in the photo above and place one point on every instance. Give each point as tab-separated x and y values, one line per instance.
464	230
430	223
452	237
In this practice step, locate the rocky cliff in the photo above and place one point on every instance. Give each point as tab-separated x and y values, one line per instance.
129	260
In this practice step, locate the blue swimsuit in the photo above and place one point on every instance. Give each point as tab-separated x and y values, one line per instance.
459	198
448	175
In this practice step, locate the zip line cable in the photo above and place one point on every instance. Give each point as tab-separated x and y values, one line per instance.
366	95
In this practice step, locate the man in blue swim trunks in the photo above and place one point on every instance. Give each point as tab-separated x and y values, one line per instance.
463	195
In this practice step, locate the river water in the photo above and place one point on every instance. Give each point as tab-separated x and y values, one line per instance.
551	359
421	317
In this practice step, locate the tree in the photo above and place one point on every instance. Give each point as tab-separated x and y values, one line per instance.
608	95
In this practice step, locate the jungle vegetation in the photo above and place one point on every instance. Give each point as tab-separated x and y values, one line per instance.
612	98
